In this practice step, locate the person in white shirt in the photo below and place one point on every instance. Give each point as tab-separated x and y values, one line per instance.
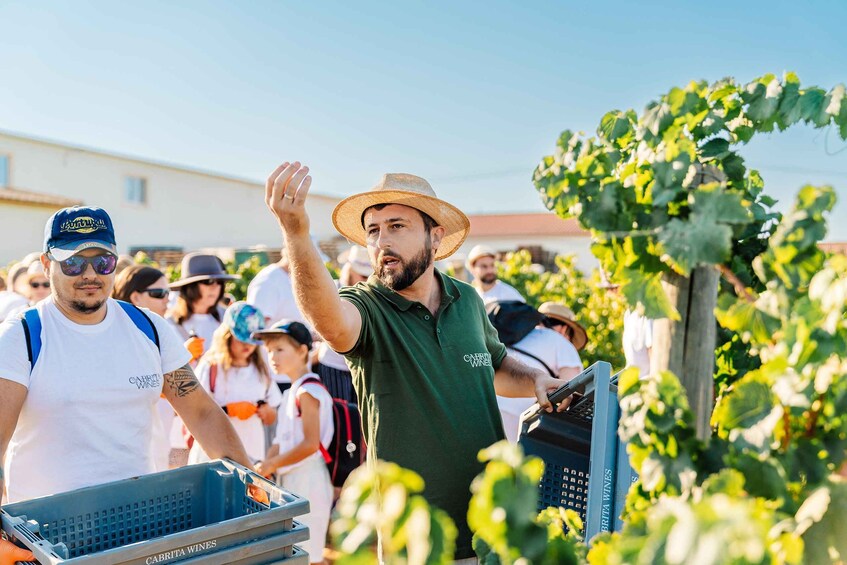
637	341
234	372
14	296
483	266
270	291
304	430
81	412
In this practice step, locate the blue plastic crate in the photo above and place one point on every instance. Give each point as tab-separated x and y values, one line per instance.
578	446
195	512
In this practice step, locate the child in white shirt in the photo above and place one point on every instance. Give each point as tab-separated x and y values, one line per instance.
304	429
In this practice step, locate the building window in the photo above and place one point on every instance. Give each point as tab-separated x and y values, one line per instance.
4	171
135	190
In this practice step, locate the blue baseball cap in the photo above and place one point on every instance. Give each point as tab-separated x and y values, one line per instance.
71	230
243	320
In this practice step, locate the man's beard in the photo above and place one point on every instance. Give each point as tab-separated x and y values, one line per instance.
490	278
409	272
84	308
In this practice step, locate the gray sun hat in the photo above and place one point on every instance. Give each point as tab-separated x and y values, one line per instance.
198	267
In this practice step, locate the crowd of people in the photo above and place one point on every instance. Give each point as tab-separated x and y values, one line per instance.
141	374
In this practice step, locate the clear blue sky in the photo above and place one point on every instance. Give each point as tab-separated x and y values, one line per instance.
467	94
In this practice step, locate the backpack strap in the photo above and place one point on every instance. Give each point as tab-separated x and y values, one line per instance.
31	322
142	321
327	457
528	354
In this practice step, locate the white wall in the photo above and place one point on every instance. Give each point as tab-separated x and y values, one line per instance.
184	208
21	230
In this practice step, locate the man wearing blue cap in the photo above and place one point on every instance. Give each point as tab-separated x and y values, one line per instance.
81	373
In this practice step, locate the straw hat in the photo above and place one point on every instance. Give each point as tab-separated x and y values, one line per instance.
198	267
357	257
406	190
565	315
479	251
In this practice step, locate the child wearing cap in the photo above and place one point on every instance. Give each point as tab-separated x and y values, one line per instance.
234	373
304	425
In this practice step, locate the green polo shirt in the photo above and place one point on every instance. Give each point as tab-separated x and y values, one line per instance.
426	388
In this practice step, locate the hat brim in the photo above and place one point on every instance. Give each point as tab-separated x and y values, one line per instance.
580	337
262	335
198	278
63	253
347	216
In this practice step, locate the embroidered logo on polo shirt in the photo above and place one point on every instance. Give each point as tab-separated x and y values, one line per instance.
478	359
146	381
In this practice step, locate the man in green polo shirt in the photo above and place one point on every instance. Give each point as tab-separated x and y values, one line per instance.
426	362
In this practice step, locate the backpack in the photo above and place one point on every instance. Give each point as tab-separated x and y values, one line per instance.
31	322
512	319
347	449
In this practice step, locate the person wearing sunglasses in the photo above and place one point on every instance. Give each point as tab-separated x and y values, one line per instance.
144	286
82	412
34	287
197	309
195	316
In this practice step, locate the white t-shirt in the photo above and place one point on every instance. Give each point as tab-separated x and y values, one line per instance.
289	428
328	357
500	292
556	352
637	338
10	301
271	292
204	325
91	400
241	384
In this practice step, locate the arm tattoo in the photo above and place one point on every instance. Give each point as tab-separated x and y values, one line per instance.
182	381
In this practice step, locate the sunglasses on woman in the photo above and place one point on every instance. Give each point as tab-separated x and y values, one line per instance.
76	265
39	284
210	282
156	292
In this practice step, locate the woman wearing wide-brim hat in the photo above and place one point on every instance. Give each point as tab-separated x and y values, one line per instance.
196	315
201	287
561	319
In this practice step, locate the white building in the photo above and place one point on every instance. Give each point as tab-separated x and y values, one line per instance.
152	204
544	233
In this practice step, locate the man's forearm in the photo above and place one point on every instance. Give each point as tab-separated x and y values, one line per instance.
514	379
314	290
219	439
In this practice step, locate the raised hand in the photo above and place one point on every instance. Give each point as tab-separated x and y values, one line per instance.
285	196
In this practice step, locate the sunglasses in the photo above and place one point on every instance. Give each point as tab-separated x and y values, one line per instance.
156	292
103	264
211	282
38	284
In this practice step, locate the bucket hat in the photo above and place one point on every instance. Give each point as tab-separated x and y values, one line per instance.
198	267
406	190
565	315
243	320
